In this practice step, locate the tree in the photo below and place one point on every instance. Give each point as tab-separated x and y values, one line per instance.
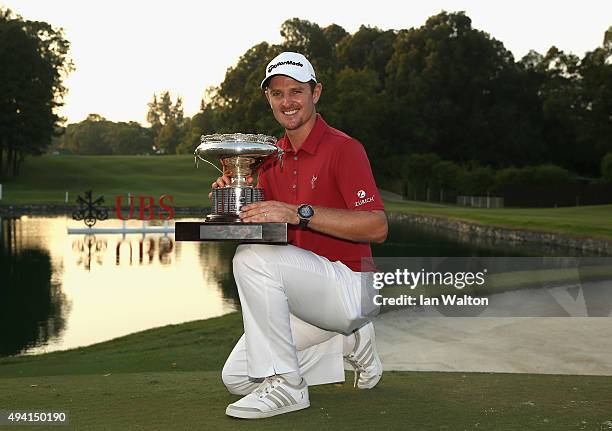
546	174
453	90
447	177
89	137
419	171
562	111
358	109
596	102
239	100
97	136
478	180
606	168
167	122
130	138
34	64
369	48
162	111
309	39
168	138
335	34
202	123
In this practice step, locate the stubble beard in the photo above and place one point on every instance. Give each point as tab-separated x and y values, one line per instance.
299	124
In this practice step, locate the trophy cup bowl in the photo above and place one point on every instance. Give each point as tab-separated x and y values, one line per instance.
239	154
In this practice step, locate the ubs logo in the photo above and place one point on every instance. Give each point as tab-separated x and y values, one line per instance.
361	194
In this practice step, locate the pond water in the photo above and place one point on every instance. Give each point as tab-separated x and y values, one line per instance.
59	291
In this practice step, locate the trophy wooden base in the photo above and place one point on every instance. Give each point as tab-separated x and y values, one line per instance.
254	233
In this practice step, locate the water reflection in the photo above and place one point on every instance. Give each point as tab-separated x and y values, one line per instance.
141	281
147	248
87	248
58	291
216	258
128	250
32	305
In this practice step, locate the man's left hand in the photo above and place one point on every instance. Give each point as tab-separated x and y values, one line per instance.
269	211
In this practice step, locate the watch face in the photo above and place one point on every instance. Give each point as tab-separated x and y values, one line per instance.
305	211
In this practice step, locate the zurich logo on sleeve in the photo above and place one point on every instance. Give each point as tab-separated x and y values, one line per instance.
361	194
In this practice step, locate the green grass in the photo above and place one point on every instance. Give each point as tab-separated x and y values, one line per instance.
199	345
46	179
585	221
169	379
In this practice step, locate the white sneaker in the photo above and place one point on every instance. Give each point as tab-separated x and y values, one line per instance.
364	358
273	397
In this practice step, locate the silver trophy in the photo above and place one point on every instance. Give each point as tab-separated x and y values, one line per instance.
240	154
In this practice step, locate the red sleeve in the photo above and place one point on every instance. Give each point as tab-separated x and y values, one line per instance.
354	178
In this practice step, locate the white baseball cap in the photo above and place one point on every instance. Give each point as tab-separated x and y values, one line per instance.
291	64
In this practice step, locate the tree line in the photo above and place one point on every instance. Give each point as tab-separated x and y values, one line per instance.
444	88
442	93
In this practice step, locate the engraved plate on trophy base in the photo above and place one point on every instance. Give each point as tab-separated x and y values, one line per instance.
258	233
231	232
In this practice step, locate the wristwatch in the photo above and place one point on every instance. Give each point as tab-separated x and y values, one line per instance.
305	213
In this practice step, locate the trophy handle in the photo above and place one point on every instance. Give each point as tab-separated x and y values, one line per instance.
279	155
211	164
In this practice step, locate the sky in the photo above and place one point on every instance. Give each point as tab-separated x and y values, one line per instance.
124	51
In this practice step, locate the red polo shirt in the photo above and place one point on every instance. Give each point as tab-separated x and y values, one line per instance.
332	170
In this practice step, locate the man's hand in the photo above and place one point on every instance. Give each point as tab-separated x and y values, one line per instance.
358	226
225	181
269	211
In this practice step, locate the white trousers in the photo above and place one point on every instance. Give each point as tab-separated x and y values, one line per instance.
296	307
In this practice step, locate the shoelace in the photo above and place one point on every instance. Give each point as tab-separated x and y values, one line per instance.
264	388
356	365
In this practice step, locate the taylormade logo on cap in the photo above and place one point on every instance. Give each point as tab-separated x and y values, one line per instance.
280	63
291	64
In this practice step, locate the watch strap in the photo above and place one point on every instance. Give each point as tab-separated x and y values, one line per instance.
303	222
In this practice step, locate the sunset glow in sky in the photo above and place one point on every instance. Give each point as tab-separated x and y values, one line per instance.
124	51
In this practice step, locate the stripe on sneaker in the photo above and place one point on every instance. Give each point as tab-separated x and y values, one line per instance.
274	400
287	394
367	349
368	359
280	397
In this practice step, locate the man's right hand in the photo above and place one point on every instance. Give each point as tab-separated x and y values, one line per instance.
225	181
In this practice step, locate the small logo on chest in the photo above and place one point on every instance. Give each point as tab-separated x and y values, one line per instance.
313	180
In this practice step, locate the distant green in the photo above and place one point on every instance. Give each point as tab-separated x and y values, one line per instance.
170	379
584	221
46	179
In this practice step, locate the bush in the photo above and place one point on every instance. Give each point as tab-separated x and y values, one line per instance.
478	181
547	174
606	168
550	174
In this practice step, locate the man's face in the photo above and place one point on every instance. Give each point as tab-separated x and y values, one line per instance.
292	102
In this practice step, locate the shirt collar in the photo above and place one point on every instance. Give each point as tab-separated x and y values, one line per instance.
311	143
